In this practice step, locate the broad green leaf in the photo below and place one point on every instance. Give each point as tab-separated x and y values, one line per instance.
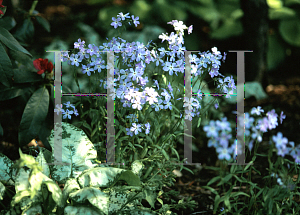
275	3
10	93
251	89
26	31
23	59
5	67
276	51
150	197
23	75
8	22
97	198
195	84
88	210
281	13
77	150
6	167
130	178
290	31
33	116
208	13
91	36
254	89
43	22
140	8
229	28
291	2
11	42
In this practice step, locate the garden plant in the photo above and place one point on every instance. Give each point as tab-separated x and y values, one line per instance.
149	121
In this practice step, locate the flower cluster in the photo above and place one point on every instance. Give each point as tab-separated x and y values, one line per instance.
66	112
219	134
43	65
117	21
137	56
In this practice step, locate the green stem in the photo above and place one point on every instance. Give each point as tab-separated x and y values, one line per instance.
33	7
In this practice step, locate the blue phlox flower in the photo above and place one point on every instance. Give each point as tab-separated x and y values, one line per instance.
75	59
168	105
123	16
281	117
116	22
211	129
190	29
67	104
147	125
79	44
67	114
279	140
129	132
58	109
76	112
263	124
135	20
224	153
216	105
136	128
257	110
87	69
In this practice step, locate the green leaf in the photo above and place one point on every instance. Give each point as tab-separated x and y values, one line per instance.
254	89
23	59
199	121
43	22
11	42
213	180
33	116
13	92
86	125
91	36
290	31
150	197
275	3
230	27
26	31
77	151
5	67
291	2
210	189
276	51
251	89
8	22
281	13
168	11
130	178
225	179
165	154
23	75
195	84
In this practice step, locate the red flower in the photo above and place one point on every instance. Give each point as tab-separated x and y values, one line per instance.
1	12
42	65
